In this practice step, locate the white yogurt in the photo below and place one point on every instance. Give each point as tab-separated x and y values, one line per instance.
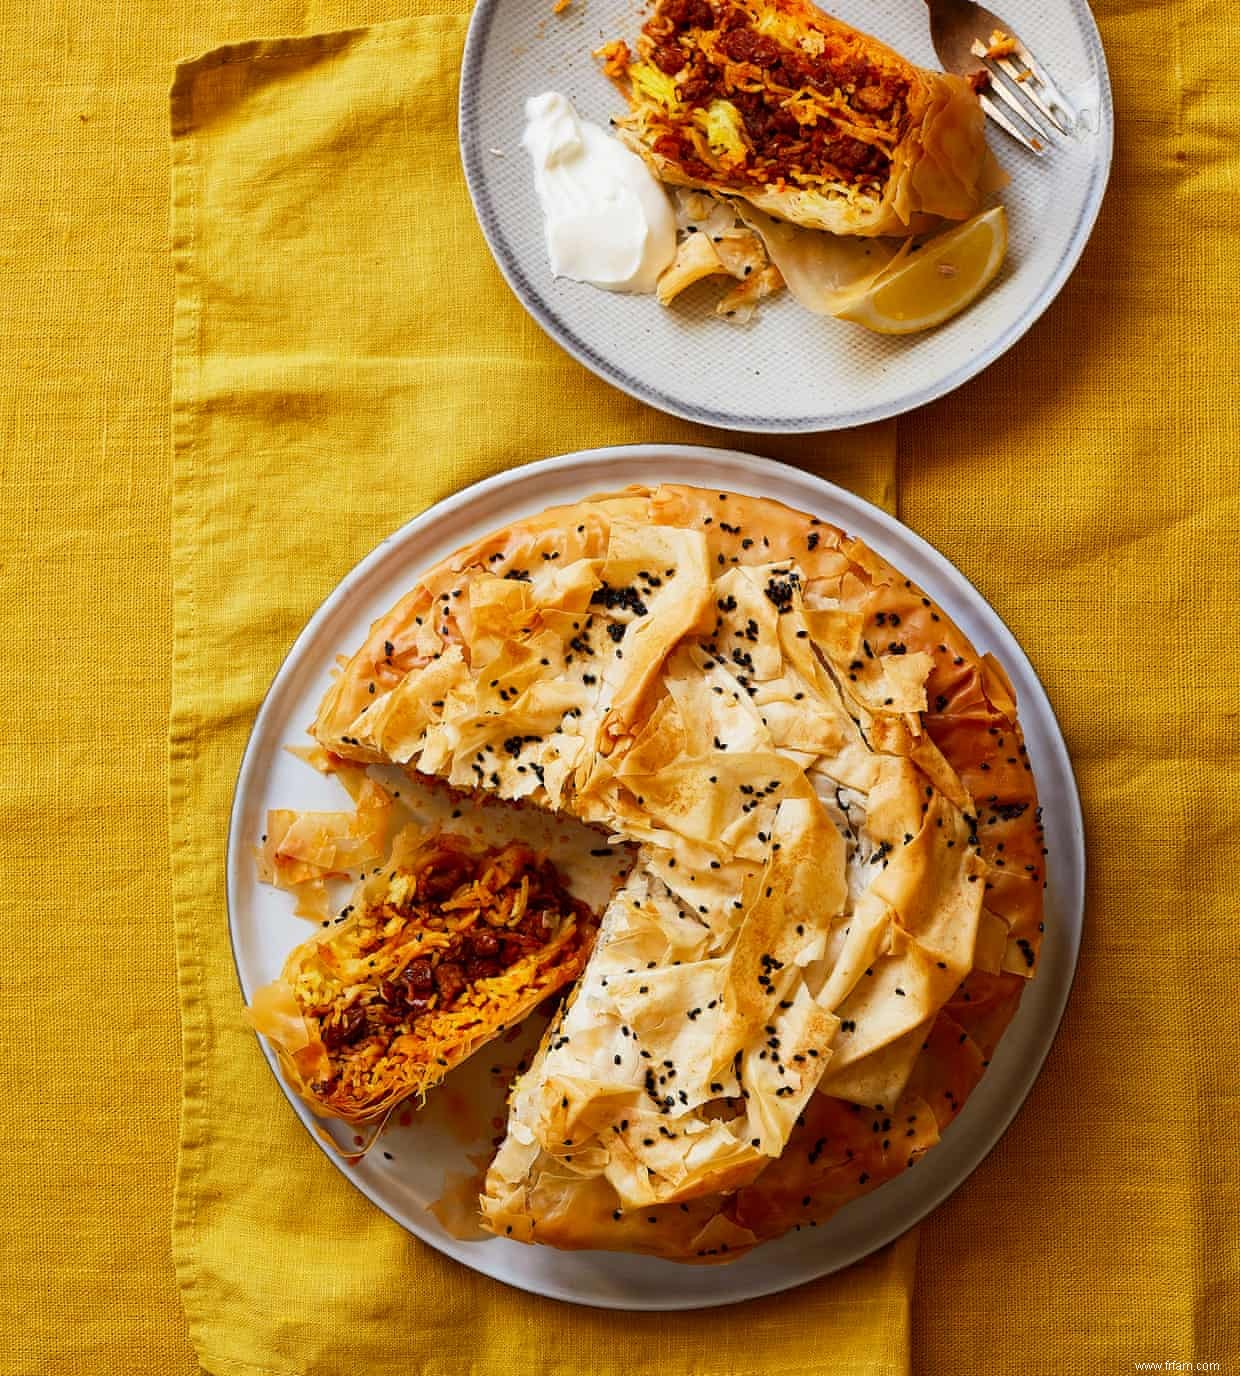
606	217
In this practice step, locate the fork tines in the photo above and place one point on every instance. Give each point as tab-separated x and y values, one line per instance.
1027	92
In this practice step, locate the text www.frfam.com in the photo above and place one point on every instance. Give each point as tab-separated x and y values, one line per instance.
1178	1366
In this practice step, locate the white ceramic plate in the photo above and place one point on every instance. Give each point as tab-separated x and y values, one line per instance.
414	1163
787	369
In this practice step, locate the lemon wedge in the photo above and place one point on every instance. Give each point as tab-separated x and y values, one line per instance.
934	282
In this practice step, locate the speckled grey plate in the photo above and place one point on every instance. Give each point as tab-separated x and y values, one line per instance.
423	1156
786	370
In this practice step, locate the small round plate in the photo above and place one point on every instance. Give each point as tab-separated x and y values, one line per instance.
786	370
428	1152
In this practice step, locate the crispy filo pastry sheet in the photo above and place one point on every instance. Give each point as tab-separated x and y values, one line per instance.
794	738
804	117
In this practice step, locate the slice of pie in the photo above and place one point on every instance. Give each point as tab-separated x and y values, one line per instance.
802	116
435	954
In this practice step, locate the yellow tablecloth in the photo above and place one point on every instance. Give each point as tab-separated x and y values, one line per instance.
1087	484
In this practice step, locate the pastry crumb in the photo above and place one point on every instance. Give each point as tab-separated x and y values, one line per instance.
1001	45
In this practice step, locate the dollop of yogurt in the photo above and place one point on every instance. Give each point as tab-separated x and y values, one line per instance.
606	217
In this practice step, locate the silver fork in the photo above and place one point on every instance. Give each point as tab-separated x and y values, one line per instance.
1017	94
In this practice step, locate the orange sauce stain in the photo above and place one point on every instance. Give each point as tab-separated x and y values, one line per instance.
465	1120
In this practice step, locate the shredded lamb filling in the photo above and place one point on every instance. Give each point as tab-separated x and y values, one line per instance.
440	939
737	103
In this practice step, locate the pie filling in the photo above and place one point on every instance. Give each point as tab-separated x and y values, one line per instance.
741	93
431	957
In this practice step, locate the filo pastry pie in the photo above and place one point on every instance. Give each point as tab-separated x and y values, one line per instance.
801	115
835	898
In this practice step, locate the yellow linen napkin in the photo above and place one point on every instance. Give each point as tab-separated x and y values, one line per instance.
346	353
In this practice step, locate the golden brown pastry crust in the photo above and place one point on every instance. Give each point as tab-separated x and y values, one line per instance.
838	892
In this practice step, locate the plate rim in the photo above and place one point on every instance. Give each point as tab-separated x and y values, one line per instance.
473	166
1018	1085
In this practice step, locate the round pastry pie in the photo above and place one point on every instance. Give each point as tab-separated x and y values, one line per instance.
834	890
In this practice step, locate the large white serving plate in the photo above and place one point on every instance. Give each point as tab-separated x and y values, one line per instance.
786	370
416	1163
